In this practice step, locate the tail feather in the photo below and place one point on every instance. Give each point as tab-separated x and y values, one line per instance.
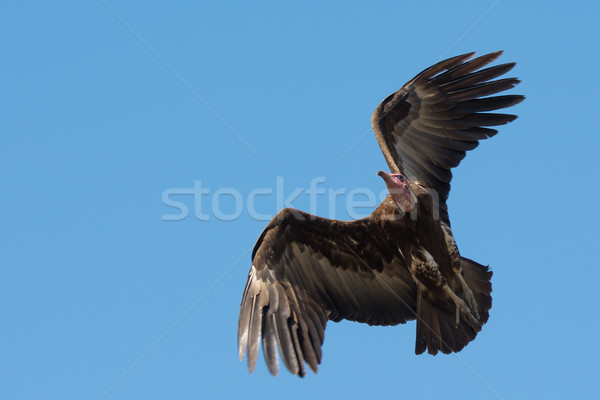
436	327
433	333
478	278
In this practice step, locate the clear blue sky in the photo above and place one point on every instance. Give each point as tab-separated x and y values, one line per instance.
97	123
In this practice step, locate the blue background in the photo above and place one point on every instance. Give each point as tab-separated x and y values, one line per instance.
102	298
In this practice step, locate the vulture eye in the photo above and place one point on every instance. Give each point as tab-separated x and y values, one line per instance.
401	178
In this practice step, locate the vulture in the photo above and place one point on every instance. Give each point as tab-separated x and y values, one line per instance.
400	263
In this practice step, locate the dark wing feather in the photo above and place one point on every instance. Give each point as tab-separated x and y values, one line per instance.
307	270
425	128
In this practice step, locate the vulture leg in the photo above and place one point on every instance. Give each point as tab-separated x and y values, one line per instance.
468	293
431	281
462	309
457	268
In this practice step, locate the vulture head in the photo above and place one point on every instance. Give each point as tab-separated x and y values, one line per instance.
398	187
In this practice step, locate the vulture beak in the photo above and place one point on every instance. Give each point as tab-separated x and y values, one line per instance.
388	178
383	175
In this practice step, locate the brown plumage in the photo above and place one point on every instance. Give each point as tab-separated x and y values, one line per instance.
397	264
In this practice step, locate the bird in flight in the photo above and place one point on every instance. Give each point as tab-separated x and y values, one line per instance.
400	263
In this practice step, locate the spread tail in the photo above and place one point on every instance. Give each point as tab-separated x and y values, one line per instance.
438	330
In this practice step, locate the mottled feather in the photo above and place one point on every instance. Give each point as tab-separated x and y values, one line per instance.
390	267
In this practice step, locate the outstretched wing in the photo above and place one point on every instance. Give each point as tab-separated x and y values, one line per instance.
307	270
425	128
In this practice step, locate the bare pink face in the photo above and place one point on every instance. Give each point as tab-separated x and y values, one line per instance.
397	185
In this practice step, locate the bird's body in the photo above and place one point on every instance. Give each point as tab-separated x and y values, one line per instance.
400	263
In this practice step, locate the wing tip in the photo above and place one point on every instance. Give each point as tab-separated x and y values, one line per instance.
489	57
242	342
494	54
443	65
465	56
519	98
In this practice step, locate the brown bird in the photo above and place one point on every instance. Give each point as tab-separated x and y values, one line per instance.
400	263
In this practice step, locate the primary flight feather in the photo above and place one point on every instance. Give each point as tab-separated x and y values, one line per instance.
400	263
